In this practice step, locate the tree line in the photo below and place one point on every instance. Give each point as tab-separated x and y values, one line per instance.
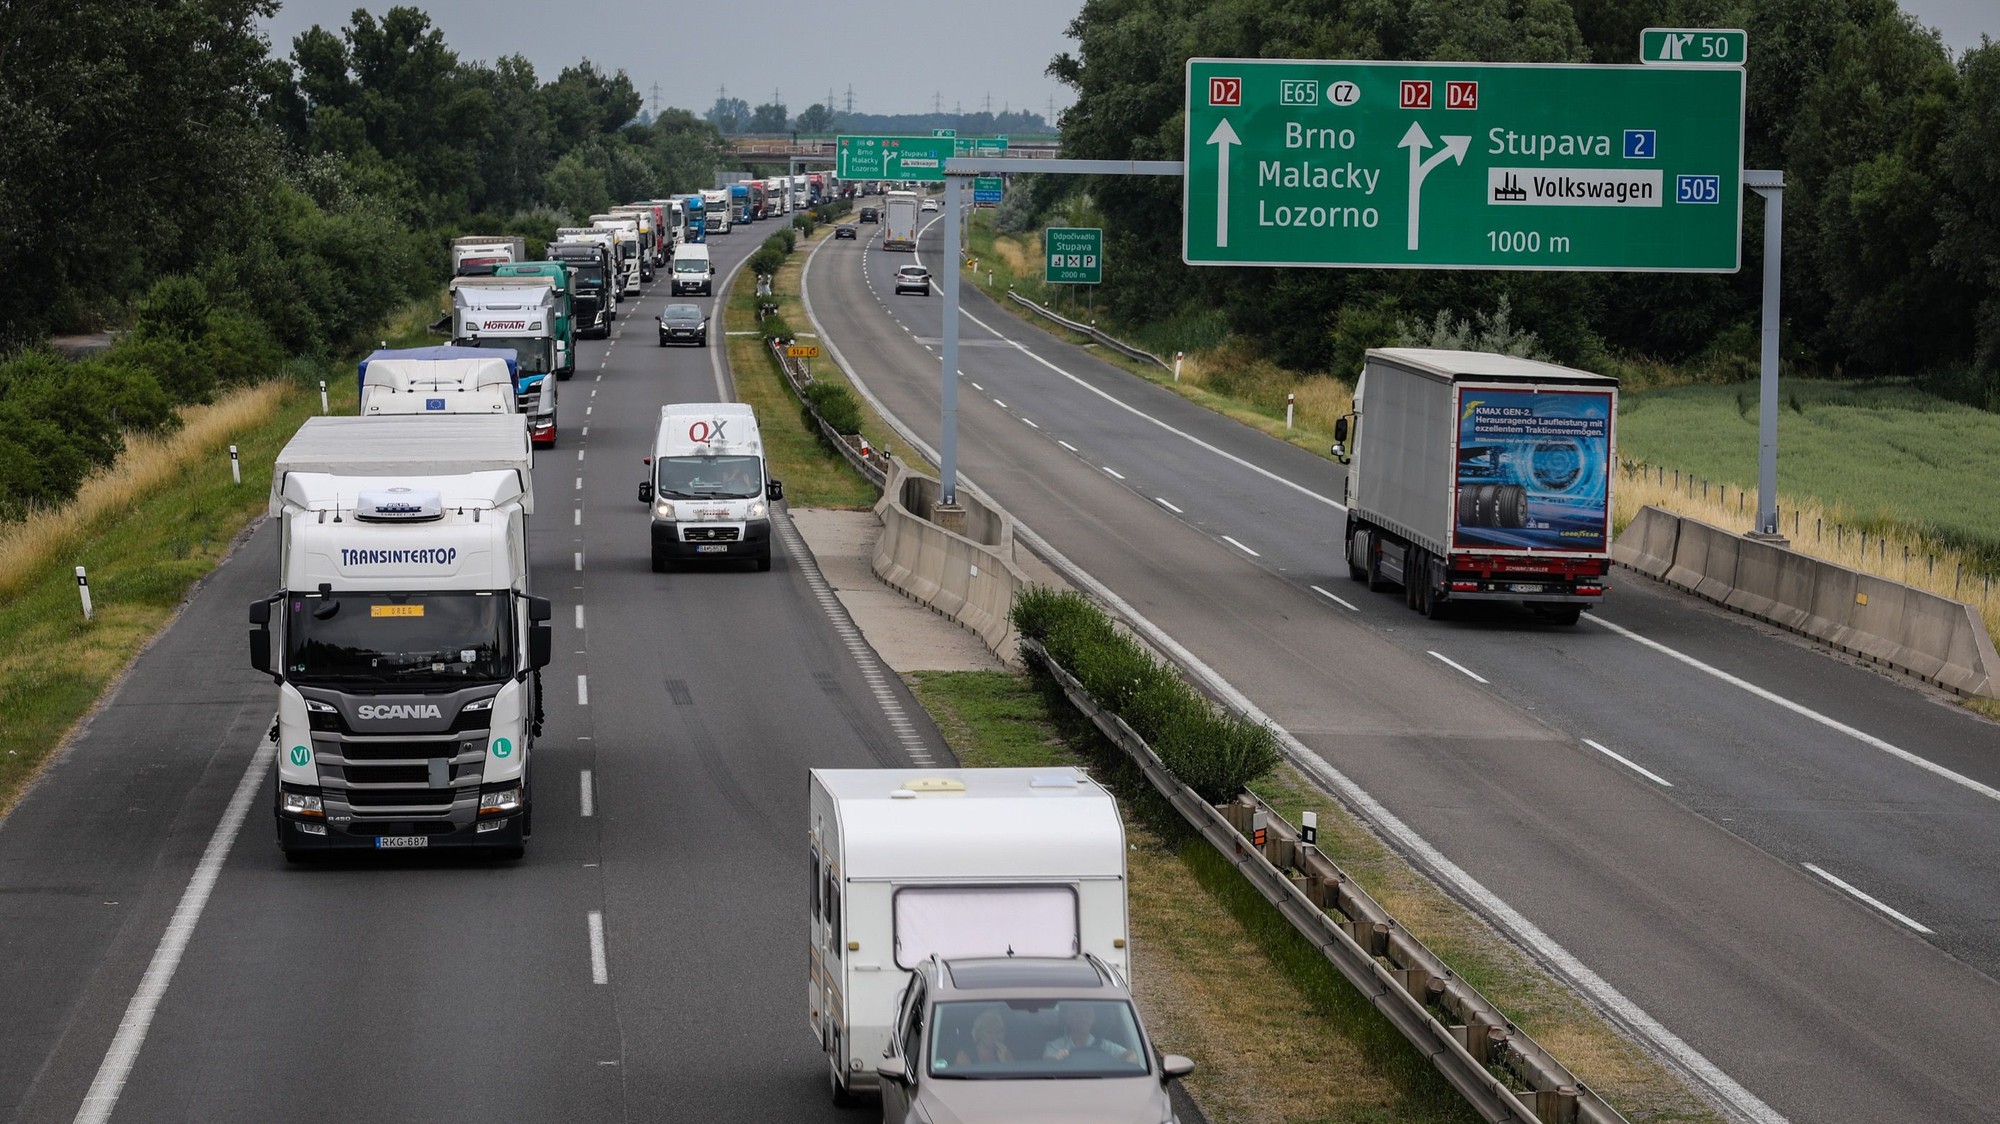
231	209
1890	147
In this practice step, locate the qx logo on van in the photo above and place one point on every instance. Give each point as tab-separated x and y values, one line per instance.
702	433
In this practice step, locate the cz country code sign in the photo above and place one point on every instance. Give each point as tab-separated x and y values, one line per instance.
1074	255
1411	165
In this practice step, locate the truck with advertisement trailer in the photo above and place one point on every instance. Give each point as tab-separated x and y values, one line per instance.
708	486
906	864
1479	477
403	639
899	221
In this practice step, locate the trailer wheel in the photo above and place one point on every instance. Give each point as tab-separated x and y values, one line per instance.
1355	570
1412	585
1510	506
1376	582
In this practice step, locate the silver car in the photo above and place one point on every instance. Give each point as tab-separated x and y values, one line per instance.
1053	1040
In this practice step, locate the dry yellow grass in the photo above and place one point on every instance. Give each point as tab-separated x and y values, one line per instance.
1013	250
1814	529
147	463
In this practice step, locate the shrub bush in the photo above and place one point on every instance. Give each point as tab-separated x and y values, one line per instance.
1214	754
767	260
775	327
804	224
836	404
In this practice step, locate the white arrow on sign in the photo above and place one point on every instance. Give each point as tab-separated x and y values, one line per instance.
1416	140
1223	137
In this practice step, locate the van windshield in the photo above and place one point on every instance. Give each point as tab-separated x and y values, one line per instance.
711	478
690	264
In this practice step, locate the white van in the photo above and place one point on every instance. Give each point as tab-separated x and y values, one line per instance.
693	270
709	489
909	863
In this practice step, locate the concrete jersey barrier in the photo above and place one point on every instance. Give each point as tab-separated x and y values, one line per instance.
969	578
1939	640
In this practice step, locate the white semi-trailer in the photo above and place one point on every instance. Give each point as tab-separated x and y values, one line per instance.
479	253
402	637
899	221
485	385
1479	477
624	230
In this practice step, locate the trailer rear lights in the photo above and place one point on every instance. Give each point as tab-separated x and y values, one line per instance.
489	825
1590	590
301	804
311	828
1465	587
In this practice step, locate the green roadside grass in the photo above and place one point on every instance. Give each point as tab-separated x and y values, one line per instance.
143	555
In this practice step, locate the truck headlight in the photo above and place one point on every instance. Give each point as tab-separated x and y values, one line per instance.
478	704
757	510
506	800
664	511
301	804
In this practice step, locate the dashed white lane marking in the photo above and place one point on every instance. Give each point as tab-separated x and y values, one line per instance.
1449	662
600	972
579	616
579	559
1067	445
582	690
579	454
579	483
586	431
585	796
579	517
1802	710
1241	547
1342	602
1031	425
1905	918
124	1051
1170	507
857	647
999	403
975	386
1114	472
587	410
1630	764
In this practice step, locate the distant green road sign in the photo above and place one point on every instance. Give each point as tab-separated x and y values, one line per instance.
891	158
981	146
1409	165
1073	255
944	132
988	189
1693	46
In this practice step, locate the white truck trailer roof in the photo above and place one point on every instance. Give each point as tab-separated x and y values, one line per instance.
401	447
958	825
1454	365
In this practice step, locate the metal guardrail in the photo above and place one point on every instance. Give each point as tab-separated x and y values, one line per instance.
1090	330
1398	975
871	463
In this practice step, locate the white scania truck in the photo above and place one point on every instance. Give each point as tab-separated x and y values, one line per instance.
403	638
716	212
708	489
632	264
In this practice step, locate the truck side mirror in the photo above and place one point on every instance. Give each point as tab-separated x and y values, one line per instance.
646	491
775	490
1340	429
539	609
541	646
260	637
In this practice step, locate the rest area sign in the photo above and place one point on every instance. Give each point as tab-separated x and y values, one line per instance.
1415	165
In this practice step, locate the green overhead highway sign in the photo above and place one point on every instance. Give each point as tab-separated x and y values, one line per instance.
944	132
1073	255
1693	46
892	158
981	146
1410	165
988	189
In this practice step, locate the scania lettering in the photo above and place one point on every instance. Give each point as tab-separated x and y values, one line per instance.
709	489
1478	477
403	639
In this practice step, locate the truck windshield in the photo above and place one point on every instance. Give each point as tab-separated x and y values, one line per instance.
408	639
589	277
711	478
531	353
1016	1039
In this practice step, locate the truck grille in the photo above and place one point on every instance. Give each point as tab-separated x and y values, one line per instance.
712	534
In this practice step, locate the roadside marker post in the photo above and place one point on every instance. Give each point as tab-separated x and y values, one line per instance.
235	465
322	398
83	591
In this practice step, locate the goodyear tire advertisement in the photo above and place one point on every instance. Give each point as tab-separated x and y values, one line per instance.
1533	470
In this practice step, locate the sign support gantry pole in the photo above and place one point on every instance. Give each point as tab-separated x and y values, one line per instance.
957	171
1770	185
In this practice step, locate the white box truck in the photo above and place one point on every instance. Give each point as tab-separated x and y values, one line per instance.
899	221
403	639
910	863
1479	477
479	253
708	486
392	387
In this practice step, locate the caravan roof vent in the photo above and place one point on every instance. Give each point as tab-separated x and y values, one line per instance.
1053	780
933	785
399	505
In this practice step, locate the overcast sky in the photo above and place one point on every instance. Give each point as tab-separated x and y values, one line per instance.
896	54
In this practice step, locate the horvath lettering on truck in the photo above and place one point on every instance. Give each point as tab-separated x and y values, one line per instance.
432	556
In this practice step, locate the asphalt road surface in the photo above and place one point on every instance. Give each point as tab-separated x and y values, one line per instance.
684	709
1777	863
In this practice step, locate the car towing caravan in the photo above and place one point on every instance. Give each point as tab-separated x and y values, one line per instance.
906	864
709	488
403	639
480	384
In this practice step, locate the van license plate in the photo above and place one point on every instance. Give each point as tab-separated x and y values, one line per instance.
394	842
1527	587
717	549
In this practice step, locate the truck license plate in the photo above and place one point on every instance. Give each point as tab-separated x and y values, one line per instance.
1527	587
717	549
393	842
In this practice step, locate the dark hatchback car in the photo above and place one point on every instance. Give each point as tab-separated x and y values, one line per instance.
683	323
870	214
846	230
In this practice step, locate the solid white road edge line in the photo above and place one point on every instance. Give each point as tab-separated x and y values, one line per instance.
102	1096
1338	600
1170	507
1451	663
599	972
1905	918
1630	764
1114	472
1067	445
1238	545
1413	846
1802	710
587	798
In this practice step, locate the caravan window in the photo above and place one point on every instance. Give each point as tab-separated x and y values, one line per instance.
813	892
960	921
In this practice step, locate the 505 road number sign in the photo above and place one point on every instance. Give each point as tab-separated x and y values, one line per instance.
1409	165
